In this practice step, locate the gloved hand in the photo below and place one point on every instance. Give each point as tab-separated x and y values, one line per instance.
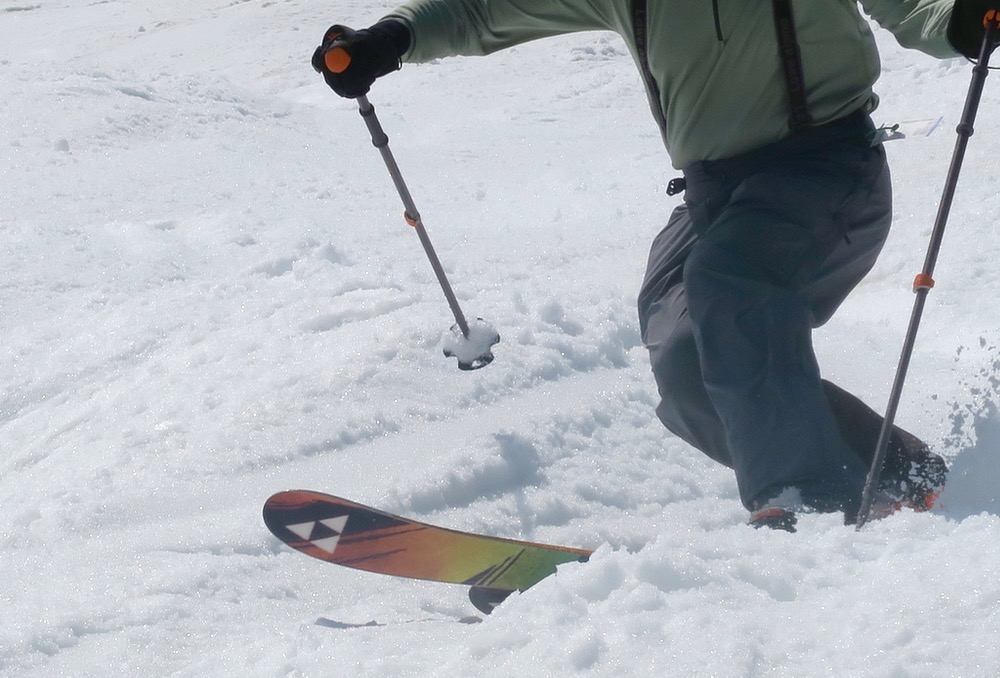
360	56
966	28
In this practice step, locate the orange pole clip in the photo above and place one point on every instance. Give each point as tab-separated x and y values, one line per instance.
923	282
410	220
991	16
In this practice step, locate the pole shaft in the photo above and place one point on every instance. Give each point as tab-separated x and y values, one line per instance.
381	141
965	130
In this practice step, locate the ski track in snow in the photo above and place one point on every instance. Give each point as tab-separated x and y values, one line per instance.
210	295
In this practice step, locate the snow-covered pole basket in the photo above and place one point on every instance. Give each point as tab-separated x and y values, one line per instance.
471	345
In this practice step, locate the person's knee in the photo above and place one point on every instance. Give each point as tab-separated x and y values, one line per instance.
716	282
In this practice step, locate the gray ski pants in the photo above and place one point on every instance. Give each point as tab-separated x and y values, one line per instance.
764	250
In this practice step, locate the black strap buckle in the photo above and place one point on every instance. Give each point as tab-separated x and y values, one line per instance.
675	186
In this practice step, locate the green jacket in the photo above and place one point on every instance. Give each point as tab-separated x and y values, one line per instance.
715	62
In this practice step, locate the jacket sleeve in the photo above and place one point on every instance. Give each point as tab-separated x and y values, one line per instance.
919	24
442	28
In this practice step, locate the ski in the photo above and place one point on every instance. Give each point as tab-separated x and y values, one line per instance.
353	535
907	129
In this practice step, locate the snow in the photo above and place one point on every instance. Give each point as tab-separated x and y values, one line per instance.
209	295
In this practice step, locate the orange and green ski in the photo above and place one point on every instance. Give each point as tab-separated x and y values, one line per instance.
346	533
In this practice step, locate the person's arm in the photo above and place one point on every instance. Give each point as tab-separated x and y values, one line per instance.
918	24
472	27
421	30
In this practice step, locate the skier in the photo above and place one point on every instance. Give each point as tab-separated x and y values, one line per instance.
764	107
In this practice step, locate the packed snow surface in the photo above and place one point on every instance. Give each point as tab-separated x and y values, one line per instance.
209	294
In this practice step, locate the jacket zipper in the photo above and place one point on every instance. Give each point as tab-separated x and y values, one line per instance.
718	22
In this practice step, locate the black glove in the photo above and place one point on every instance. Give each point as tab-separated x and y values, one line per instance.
363	55
966	28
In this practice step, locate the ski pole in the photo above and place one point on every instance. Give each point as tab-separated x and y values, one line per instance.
473	347
924	280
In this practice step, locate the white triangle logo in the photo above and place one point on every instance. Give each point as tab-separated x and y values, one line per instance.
303	530
328	543
336	524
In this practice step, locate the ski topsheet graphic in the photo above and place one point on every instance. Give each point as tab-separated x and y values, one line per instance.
346	533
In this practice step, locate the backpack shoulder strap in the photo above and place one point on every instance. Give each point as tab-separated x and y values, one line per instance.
640	29
791	66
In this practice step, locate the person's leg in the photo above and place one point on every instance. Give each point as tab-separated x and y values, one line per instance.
912	473
685	408
753	293
754	341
